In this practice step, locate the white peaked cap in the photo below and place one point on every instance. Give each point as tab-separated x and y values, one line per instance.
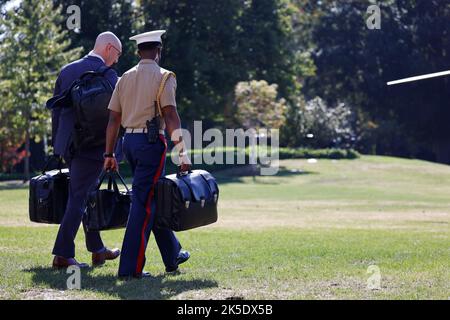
152	36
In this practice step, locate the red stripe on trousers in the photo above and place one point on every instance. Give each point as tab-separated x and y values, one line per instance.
148	209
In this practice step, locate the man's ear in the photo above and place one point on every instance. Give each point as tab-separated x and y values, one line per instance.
139	53
158	54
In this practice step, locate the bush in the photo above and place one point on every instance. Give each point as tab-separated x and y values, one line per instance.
313	124
305	153
284	153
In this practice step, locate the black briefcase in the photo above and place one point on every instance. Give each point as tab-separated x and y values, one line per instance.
48	194
108	209
186	201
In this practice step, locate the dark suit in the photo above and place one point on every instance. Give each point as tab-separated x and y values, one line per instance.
84	165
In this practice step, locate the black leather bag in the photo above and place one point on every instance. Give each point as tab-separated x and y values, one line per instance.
48	194
108	209
186	201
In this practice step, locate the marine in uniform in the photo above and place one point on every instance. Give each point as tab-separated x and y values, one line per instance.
84	165
133	103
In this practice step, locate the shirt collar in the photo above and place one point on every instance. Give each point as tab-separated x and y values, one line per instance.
147	61
93	54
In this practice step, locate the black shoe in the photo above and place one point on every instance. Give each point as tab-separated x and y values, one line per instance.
144	274
183	256
135	276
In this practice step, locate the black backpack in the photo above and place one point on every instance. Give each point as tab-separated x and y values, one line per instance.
90	96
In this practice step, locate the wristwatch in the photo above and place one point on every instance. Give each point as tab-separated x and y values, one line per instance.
108	155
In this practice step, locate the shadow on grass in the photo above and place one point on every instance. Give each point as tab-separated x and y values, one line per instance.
155	287
223	177
13	185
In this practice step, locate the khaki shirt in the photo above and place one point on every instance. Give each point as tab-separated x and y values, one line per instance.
135	94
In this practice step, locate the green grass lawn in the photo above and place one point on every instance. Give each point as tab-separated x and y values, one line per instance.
311	232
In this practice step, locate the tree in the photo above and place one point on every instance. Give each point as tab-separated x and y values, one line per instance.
258	105
117	16
201	47
33	47
213	45
354	63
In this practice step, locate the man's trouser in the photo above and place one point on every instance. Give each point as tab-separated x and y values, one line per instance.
83	178
147	163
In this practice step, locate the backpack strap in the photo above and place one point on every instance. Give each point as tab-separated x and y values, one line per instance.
99	72
103	69
161	88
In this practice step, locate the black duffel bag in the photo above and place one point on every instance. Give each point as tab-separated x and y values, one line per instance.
108	209
186	201
48	195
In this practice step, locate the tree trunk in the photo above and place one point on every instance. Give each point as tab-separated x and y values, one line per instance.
27	156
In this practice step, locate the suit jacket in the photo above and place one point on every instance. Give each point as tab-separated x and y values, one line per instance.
63	118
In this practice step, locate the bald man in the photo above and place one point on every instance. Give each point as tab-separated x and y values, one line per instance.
84	165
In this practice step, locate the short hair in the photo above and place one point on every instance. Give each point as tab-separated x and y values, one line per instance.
147	46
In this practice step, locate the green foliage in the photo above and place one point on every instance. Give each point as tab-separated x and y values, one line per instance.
306	153
117	16
257	105
33	47
354	63
213	45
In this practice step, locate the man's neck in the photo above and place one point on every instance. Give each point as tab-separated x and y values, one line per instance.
94	54
148	58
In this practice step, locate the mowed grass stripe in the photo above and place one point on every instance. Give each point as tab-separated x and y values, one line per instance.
285	263
310	232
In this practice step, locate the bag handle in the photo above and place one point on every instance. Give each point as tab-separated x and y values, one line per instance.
161	88
111	180
112	184
101	177
49	161
181	174
122	180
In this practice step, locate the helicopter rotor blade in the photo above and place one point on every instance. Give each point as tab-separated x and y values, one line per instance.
422	77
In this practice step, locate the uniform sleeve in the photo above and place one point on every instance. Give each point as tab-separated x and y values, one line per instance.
114	103
168	94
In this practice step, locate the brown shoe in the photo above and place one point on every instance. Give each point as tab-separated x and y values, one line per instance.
63	263
99	259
